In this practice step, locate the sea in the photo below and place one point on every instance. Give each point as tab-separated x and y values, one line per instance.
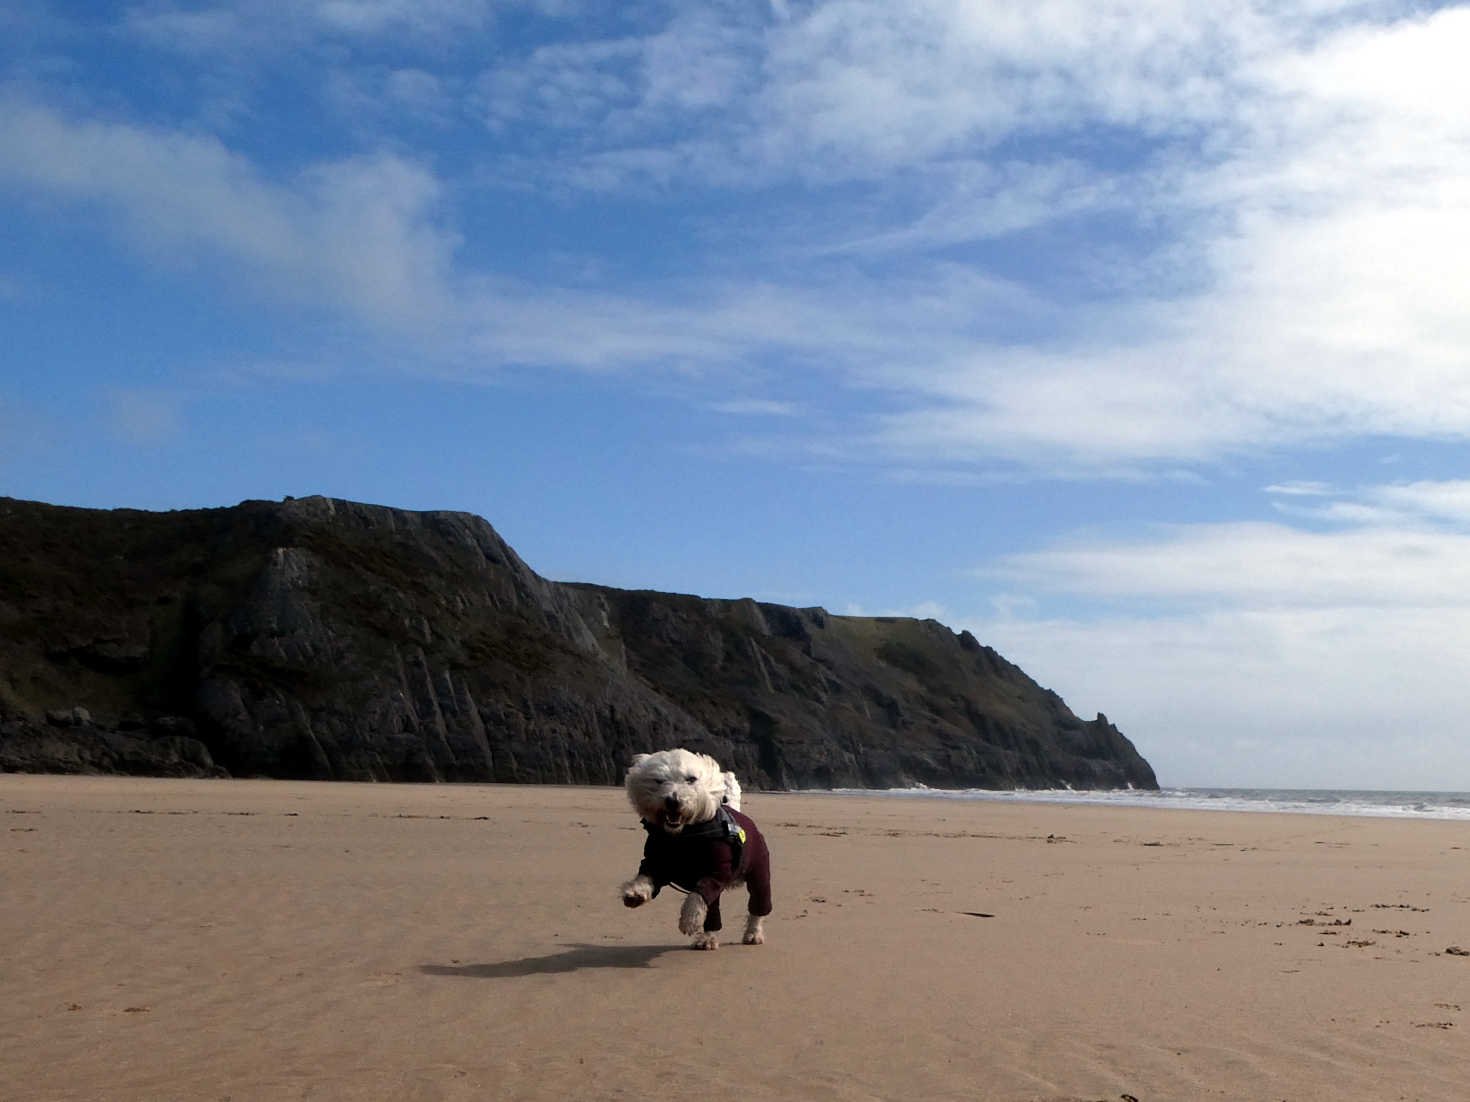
1295	801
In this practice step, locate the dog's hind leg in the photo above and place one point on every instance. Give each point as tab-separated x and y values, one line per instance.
701	920
758	884
754	934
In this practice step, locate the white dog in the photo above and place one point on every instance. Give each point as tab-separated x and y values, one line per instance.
732	792
699	841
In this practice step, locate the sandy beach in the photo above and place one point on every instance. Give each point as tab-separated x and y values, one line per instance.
270	940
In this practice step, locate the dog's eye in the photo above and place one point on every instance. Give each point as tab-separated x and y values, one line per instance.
690	779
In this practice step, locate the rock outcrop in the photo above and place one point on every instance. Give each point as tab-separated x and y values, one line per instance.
319	638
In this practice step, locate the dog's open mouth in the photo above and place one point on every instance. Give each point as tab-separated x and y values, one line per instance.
671	821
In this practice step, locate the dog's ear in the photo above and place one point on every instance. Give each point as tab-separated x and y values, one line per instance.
639	759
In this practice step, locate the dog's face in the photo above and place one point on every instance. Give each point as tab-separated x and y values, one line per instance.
675	788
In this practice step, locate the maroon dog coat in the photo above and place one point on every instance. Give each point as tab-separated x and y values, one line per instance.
707	858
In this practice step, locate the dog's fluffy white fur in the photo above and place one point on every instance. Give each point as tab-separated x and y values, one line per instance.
732	791
673	789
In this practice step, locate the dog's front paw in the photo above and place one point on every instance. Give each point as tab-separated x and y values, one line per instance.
754	935
691	915
637	891
704	940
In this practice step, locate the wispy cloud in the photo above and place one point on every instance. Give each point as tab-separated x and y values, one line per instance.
268	27
1272	564
1182	237
1441	501
1325	218
1301	170
755	407
1305	488
1267	697
1332	260
1317	647
359	232
1393	544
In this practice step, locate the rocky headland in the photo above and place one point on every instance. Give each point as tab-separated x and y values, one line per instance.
320	638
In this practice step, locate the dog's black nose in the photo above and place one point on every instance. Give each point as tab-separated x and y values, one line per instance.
671	802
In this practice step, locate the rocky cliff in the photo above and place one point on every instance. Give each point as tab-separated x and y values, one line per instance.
318	638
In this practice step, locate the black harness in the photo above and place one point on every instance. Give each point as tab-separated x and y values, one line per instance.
722	828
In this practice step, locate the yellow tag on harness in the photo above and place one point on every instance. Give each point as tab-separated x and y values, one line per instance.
742	836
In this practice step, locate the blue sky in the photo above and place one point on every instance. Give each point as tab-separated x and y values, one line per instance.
1132	336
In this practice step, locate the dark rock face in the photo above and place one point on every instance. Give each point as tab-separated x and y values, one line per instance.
319	638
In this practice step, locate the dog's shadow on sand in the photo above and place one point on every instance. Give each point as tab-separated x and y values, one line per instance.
571	959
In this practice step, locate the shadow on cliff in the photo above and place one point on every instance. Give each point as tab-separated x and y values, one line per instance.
571	959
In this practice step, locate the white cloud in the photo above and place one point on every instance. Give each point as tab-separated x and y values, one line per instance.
1304	488
852	326
1240	565
867	83
1282	655
374	17
268	27
360	232
1402	504
1302	168
1336	238
1339	512
369	234
755	407
561	85
973	200
1269	698
1299	171
1443	501
857	89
